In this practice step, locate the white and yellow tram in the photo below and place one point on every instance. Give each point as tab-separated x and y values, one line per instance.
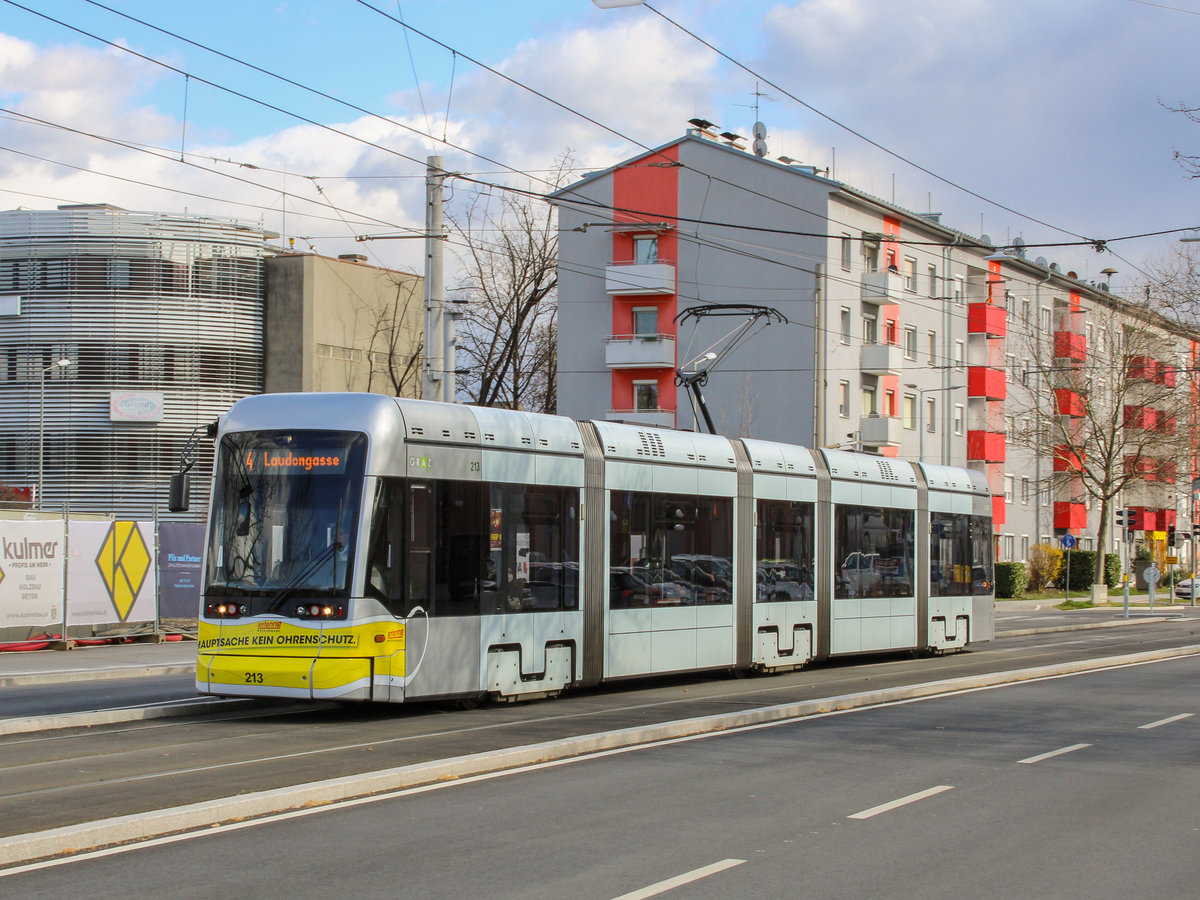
363	547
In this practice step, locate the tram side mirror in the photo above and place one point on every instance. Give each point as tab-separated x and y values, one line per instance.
180	492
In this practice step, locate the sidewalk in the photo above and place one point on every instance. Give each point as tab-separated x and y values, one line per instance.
96	663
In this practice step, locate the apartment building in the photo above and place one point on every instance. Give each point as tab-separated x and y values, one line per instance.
903	336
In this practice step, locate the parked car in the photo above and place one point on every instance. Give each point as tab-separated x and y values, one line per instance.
1186	588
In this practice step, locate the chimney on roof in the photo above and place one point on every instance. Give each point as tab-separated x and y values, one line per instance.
352	257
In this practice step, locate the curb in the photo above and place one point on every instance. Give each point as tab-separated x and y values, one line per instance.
157	823
30	724
66	676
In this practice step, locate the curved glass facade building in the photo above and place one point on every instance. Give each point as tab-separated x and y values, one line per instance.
119	333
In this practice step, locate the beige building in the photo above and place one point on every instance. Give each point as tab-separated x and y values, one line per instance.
341	325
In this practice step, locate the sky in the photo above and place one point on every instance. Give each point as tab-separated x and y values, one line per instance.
1013	118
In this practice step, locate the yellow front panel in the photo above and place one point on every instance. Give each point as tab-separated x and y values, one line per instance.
330	674
244	671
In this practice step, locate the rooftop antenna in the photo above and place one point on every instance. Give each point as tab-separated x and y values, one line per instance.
693	374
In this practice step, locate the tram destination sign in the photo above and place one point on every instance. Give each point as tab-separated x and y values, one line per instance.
290	461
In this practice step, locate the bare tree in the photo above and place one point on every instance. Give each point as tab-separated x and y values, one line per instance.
1116	417
508	339
1173	281
396	341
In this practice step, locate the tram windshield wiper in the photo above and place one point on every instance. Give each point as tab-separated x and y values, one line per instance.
300	577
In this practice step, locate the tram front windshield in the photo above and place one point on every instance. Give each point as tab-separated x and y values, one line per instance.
284	510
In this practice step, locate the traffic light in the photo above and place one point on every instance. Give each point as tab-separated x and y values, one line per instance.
1122	518
1171	535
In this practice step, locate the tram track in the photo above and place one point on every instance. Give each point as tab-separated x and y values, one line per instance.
70	777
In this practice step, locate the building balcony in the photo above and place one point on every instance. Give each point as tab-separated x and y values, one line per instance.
1167	470
639	351
1067	460
640	279
1165	423
985	446
988	319
1070	516
880	431
987	383
1068	345
1141	417
658	418
882	287
881	359
1167	375
999	509
1142	367
1146	469
1068	402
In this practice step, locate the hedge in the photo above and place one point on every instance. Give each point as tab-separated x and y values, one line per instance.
1011	578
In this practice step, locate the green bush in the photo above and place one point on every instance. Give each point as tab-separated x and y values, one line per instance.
1011	578
1112	570
1083	570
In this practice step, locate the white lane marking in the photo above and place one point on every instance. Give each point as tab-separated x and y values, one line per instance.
1029	760
903	801
662	887
1166	721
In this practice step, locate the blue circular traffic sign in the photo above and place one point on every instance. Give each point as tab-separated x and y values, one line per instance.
1068	541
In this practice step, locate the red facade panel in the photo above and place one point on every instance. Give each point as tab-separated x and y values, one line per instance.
985	382
1068	345
1071	516
997	510
985	446
1067	460
987	318
1068	402
1142	367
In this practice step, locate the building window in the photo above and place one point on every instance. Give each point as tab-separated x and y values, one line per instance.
1025	310
933	281
1024	547
645	395
645	249
960	355
845	325
910	343
910	411
910	274
889	332
931	341
870	330
931	415
959	417
1010	303
871	256
1007	546
1010	363
645	321
959	290
1044	315
868	401
844	399
1025	490
1008	488
847	246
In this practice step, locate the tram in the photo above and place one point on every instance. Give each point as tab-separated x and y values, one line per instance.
362	547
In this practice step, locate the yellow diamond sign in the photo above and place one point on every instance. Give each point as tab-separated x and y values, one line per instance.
123	561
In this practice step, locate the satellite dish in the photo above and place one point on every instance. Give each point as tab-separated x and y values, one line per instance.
1054	267
1019	246
760	147
986	238
760	130
1041	261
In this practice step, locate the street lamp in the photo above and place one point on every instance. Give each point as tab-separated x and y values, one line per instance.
921	392
60	364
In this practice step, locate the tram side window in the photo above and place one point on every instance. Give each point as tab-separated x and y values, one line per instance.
533	549
874	548
949	555
982	572
785	551
669	550
960	555
445	543
385	546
